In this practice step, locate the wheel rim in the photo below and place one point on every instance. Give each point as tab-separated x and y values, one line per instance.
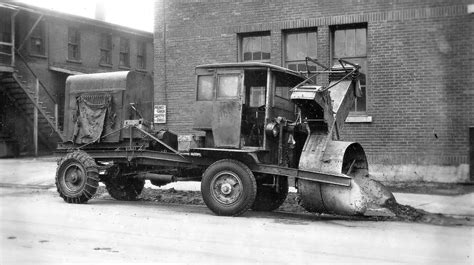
226	187
73	178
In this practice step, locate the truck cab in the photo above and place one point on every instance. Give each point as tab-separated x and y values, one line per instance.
236	102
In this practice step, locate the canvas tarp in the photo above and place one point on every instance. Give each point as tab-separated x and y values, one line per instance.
91	114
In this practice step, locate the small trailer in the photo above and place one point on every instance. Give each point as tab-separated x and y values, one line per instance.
263	128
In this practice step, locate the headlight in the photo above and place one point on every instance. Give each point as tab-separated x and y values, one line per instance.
272	129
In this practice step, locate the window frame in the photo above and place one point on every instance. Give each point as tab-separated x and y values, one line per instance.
39	33
354	112
285	34
125	53
74	45
217	86
141	55
261	34
213	96
107	49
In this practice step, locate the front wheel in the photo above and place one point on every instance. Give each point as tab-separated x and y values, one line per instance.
77	177
228	187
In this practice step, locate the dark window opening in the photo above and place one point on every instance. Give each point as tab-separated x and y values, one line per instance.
124	57
74	47
106	49
253	110
141	55
37	40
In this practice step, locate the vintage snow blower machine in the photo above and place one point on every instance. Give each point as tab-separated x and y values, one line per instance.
260	128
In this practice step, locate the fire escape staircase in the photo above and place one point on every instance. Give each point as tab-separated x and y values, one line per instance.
21	85
30	96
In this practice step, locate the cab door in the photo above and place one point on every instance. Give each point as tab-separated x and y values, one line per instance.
227	110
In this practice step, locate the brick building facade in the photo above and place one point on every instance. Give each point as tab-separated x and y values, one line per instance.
418	56
49	46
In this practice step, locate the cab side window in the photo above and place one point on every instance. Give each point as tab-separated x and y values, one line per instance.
228	87
205	88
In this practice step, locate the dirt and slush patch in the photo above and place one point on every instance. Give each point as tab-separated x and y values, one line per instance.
403	212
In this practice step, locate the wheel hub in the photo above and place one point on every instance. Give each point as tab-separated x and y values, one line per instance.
226	187
73	177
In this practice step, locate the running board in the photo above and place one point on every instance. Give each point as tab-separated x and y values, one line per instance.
328	178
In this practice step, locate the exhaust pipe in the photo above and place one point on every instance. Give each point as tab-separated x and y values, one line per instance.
156	179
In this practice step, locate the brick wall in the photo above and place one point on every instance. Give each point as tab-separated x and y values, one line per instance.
420	62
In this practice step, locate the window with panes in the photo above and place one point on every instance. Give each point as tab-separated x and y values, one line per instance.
74	44
350	43
256	47
124	57
106	49
141	55
37	40
298	46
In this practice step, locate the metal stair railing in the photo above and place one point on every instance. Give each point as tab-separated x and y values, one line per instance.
39	100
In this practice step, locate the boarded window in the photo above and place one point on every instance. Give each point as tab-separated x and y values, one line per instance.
205	89
228	86
124	57
256	48
141	55
106	49
37	40
298	46
74	47
350	43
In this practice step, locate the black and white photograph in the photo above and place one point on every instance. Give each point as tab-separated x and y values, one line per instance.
237	132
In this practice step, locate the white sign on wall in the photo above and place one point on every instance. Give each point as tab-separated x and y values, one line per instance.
159	114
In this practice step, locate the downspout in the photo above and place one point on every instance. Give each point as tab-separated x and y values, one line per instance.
165	79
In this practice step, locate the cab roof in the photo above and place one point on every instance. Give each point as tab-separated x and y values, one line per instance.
250	65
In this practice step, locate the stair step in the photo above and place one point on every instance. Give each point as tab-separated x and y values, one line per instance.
19	95
15	91
8	79
12	86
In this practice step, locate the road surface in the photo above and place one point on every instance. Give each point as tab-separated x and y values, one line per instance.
38	227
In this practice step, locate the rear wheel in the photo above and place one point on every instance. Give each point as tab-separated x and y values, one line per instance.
228	187
122	188
271	193
77	177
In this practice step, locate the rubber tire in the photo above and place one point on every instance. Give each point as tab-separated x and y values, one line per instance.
124	189
90	183
268	199
246	198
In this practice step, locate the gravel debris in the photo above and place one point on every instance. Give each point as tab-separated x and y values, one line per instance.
403	213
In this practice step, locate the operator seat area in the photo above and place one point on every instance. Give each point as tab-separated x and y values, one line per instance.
253	108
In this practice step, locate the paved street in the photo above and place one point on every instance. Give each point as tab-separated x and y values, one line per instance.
37	226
